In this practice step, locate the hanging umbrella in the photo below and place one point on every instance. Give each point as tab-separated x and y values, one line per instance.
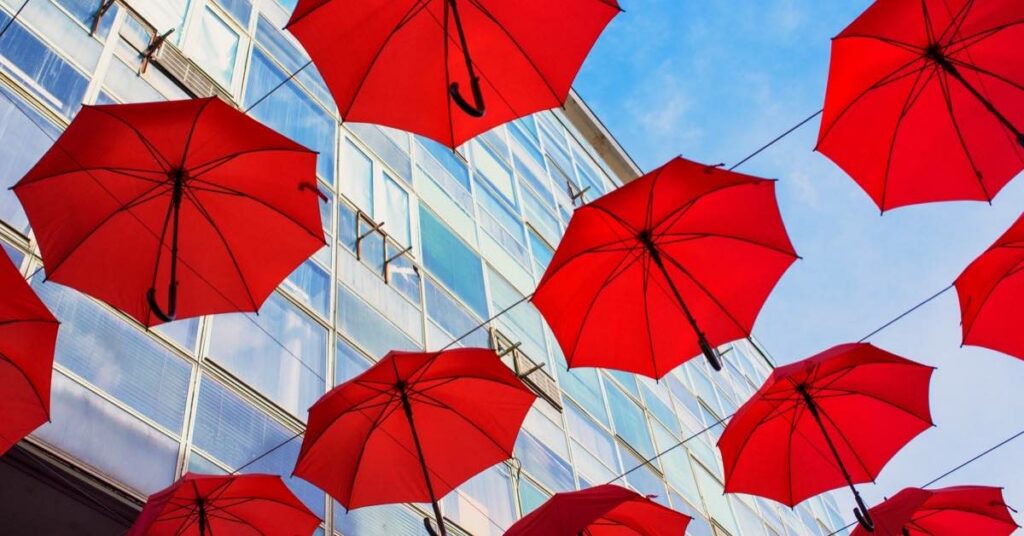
173	209
606	510
925	100
225	505
413	427
668	266
991	290
974	510
28	335
832	419
405	63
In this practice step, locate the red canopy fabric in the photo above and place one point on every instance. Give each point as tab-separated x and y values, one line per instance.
225	505
392	62
871	403
606	510
28	336
665	267
373	439
991	291
101	202
974	510
925	100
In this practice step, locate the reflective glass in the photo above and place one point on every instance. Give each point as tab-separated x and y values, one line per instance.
452	262
630	421
24	142
357	176
214	46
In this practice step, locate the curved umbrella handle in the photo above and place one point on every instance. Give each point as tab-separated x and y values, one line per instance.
712	355
862	515
906	532
429	527
478	108
172	303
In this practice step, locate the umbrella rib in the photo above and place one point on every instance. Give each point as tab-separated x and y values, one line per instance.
848	392
224	159
191	133
619	219
227	248
223	190
887	40
232	518
127	172
986	72
773	414
789	451
737	238
414	10
159	158
916	90
518	46
989	294
645	265
464	418
849	445
677	213
706	292
44	404
985	34
142	198
957	20
928	28
619	269
891	78
943	84
374	424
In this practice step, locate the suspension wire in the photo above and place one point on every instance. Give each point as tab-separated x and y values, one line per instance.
673	447
777	139
905	313
14	18
977	457
278	86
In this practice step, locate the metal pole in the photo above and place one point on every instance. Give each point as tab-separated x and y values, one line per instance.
935	54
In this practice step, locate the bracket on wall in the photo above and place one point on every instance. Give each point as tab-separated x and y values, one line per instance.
153	48
105	6
576	193
374	228
393	258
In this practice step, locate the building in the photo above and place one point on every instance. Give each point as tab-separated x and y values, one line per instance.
463	236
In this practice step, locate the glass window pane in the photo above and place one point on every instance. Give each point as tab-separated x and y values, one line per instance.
241	10
236	433
357	176
644	479
117	358
452	262
583	385
483	505
630	421
530	496
281	352
495	171
715	500
25	141
311	284
214	46
370	329
391	519
349	362
396	211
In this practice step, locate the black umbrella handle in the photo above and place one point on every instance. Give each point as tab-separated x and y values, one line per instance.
862	514
710	353
477	108
429	527
172	303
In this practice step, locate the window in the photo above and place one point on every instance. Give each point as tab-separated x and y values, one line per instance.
391	519
290	111
357	176
370	329
452	262
235	433
676	463
542	254
396	210
84	10
24	142
117	358
530	496
281	352
449	320
658	403
42	69
108	438
214	46
348	362
541	448
164	15
483	505
715	500
644	479
311	284
523	323
281	47
583	385
495	171
455	166
241	10
630	421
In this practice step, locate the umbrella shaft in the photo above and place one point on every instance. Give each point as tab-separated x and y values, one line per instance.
462	37
813	408
202	519
656	257
955	73
423	461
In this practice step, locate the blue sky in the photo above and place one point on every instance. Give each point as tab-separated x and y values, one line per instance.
713	80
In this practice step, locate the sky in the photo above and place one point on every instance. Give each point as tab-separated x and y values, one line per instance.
713	80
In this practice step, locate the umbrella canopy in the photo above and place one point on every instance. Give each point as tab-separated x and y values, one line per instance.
448	69
28	336
832	419
975	510
195	207
225	505
991	290
606	510
668	266
925	100
413	427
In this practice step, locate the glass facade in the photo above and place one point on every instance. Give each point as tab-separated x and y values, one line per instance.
425	243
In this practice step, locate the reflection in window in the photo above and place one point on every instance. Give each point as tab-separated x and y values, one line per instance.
370	329
348	362
630	421
483	505
543	452
530	496
449	320
715	500
396	210
311	284
452	262
214	46
290	111
357	176
108	438
644	479
236	433
391	519
583	385
522	323
24	142
280	352
117	358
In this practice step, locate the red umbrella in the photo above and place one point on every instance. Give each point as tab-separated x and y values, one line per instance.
606	510
189	196
28	335
832	419
225	505
925	100
403	63
670	265
364	447
974	510
991	290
